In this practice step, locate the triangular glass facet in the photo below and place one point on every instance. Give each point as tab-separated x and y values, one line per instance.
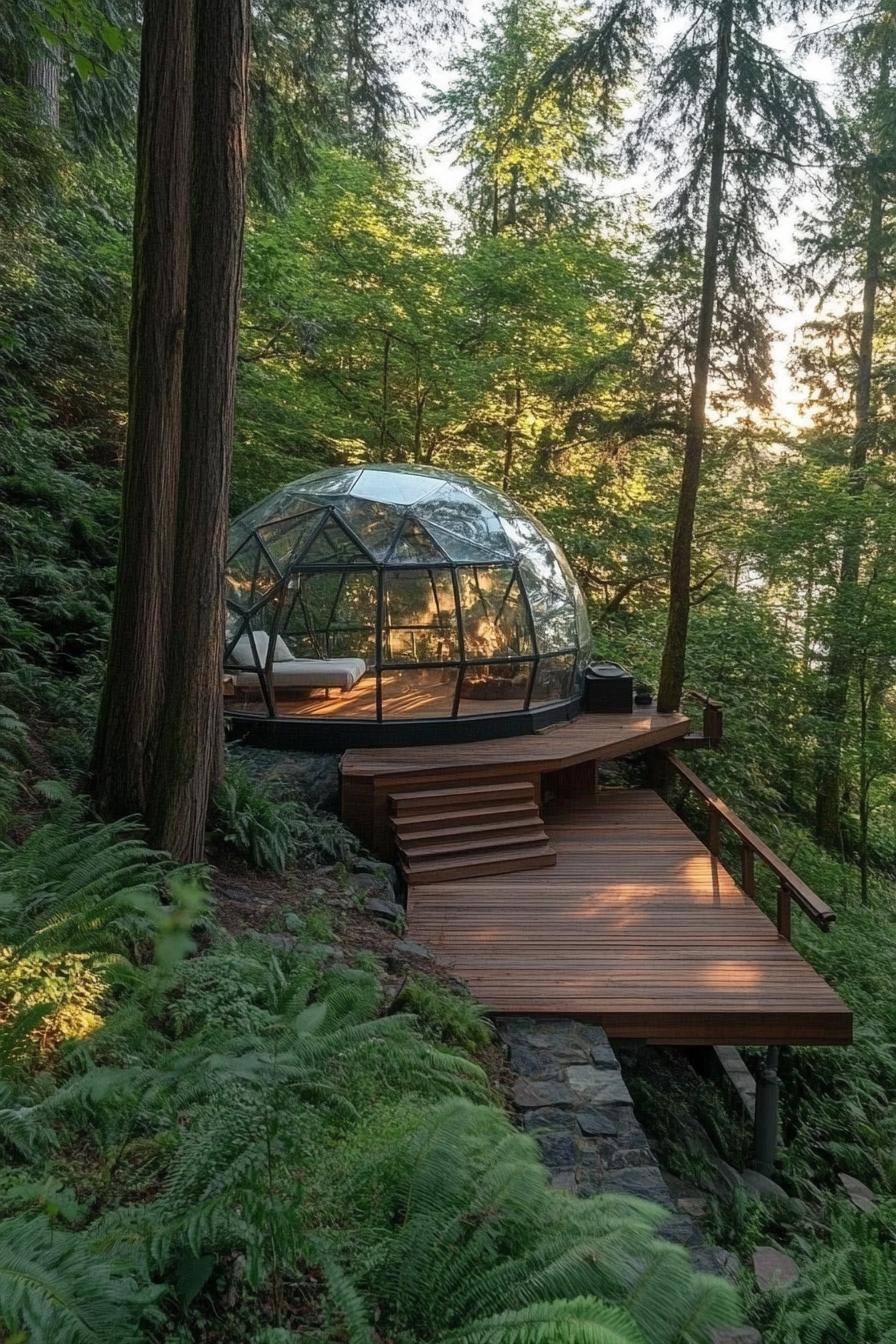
285	539
375	524
249	576
415	546
333	546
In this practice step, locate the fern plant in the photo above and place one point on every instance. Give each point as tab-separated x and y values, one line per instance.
466	1239
273	834
55	1285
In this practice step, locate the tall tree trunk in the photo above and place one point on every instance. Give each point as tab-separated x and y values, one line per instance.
133	689
384	394
672	670
842	649
190	754
43	77
515	399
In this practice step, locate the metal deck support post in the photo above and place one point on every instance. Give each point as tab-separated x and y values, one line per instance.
765	1125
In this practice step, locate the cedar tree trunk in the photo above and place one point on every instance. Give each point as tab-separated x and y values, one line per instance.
672	670
134	684
189	757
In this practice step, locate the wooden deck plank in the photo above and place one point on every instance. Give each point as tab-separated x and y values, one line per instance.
590	736
637	927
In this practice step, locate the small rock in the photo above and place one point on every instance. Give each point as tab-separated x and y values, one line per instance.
604	1057
376	867
693	1206
858	1192
386	911
528	1093
406	947
283	942
645	1182
640	1156
764	1187
549	1118
538	1064
597	1124
773	1269
601	1085
682	1230
713	1260
230	891
735	1334
562	1049
564	1180
558	1151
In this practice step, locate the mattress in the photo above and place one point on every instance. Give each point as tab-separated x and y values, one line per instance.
339	674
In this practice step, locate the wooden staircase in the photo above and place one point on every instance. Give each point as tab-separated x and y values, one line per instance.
445	834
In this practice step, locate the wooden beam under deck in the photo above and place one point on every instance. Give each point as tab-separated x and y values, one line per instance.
638	927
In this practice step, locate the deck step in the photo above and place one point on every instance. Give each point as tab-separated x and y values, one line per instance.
445	834
429	800
472	818
490	840
484	865
452	836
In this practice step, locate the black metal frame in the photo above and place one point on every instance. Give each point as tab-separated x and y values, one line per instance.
339	732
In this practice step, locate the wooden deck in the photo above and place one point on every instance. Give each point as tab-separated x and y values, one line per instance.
637	927
370	774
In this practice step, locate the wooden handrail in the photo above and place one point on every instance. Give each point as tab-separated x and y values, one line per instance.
790	886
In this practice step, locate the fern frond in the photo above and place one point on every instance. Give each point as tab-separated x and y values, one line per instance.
583	1320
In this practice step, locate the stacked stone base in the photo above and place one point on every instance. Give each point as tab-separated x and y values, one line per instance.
571	1096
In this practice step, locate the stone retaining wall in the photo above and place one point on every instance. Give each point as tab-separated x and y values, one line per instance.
570	1094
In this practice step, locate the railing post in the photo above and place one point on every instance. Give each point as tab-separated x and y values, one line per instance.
784	910
712	723
747	871
765	1125
712	843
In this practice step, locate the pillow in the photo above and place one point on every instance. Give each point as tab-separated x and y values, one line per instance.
243	656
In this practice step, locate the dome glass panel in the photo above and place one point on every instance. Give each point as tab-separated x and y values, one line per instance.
371	594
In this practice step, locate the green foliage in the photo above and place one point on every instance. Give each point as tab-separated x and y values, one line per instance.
245	1105
846	1293
274	834
467	1227
445	1015
55	1285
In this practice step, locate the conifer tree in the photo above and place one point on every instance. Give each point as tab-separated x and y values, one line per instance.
854	241
726	118
729	119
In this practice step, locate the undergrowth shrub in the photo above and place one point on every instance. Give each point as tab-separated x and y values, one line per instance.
275	834
846	1292
446	1015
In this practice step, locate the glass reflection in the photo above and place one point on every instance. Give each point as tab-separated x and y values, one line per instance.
398	590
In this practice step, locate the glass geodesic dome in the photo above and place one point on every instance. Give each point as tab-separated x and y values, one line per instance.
392	604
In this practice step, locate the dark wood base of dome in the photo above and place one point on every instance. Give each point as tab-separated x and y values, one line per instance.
301	733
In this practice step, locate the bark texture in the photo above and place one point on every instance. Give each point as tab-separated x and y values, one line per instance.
134	684
43	77
189	757
672	670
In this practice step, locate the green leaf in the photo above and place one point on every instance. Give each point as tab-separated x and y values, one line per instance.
112	37
192	1274
83	64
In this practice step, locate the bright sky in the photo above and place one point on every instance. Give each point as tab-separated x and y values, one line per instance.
447	176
